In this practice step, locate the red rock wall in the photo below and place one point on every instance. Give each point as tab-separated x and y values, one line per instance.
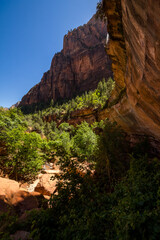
139	54
77	68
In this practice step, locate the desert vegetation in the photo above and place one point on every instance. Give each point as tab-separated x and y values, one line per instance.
106	189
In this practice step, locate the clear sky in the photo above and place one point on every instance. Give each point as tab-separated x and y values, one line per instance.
31	32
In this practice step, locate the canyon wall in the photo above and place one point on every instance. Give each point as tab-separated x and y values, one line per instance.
79	67
134	47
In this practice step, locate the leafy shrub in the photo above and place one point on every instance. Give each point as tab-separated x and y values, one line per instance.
23	157
85	141
62	143
108	203
112	154
136	214
83	209
37	128
64	127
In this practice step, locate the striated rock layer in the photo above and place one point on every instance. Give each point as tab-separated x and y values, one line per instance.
77	68
134	46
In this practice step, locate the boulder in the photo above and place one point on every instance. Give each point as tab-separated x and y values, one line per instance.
25	201
12	197
46	186
8	187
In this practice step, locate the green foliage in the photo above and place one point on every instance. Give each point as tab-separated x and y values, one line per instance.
105	189
74	142
100	124
23	157
83	209
10	119
47	129
54	126
63	143
24	153
85	141
65	127
37	128
7	221
112	154
136	214
101	199
96	99
77	211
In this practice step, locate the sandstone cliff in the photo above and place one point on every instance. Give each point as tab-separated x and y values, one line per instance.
134	47
77	68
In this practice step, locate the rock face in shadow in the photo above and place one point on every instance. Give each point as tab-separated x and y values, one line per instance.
14	198
134	47
77	68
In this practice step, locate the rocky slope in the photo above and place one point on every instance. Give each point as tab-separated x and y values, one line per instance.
78	67
134	47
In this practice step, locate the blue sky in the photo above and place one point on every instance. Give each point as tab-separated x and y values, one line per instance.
31	32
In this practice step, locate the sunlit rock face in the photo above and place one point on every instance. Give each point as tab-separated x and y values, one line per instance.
77	68
134	46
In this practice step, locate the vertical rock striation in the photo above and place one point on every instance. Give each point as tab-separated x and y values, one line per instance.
77	68
135	51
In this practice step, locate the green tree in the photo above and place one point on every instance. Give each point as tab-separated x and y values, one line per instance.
112	154
53	126
63	143
136	210
85	141
64	127
47	129
37	128
24	156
